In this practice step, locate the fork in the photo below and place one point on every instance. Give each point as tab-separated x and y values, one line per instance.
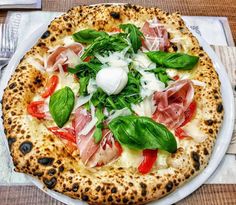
7	44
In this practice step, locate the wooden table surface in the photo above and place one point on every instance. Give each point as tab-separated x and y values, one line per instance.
218	194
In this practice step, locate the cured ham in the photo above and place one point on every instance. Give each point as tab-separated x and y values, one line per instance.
173	102
156	37
62	54
93	154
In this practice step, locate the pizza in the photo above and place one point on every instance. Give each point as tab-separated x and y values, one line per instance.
115	104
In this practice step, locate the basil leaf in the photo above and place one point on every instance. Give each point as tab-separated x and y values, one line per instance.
88	35
105	44
61	105
99	125
83	82
142	133
85	69
173	60
161	75
135	35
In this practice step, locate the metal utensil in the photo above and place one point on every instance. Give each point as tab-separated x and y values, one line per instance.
8	43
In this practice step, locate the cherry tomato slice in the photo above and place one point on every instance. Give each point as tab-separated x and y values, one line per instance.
50	86
87	59
68	134
189	113
33	109
176	77
180	133
116	29
150	157
119	148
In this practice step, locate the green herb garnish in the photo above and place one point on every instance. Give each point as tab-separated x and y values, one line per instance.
173	60
61	105
141	133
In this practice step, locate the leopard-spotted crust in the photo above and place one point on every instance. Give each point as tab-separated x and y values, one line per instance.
39	153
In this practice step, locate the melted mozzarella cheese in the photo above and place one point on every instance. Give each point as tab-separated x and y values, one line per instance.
193	130
117	113
162	157
150	84
68	40
145	108
141	60
129	158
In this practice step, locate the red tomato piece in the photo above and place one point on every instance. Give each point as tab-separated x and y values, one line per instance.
33	109
176	77
149	158
68	134
87	59
189	113
118	146
180	133
116	29
50	86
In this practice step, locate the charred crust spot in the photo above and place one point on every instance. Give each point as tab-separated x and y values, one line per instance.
72	171
38	174
205	151
114	190
143	187
115	15
85	198
61	168
46	161
196	160
50	183
51	172
110	198
169	186
98	188
220	108
131	184
209	122
26	147
11	140
12	85
86	189
210	131
53	39
37	80
40	44
125	200
45	34
7	107
75	187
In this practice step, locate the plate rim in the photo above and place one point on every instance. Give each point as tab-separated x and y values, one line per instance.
170	198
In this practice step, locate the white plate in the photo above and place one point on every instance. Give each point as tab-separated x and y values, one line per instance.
222	142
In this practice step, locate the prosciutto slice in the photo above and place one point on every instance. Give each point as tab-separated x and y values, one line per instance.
61	54
173	102
156	37
93	154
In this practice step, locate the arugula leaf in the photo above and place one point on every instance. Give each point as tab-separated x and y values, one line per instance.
129	95
161	75
61	105
135	35
99	125
83	82
173	60
88	35
141	133
105	44
86	69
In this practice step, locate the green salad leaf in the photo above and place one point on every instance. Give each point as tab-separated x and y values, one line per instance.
173	60
61	105
105	44
87	36
129	95
141	133
134	34
99	125
161	75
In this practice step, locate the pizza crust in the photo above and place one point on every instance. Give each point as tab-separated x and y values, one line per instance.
39	153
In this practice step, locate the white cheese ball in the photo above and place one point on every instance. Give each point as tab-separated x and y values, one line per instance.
112	80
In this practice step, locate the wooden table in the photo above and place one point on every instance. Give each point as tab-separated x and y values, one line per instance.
207	194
